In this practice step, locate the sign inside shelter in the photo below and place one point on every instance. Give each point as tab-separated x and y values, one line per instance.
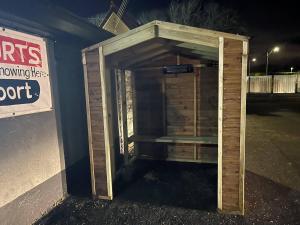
182	68
24	74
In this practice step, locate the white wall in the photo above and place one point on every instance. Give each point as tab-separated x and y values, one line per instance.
29	153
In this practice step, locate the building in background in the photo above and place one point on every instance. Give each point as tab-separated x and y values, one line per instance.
44	154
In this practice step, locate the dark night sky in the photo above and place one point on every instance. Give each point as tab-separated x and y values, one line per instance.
268	23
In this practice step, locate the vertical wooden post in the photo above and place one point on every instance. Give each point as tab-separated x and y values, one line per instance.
163	92
220	121
99	121
272	84
232	115
124	115
134	113
89	124
108	74
106	120
195	113
164	110
243	127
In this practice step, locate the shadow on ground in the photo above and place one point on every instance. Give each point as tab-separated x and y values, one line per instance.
153	199
186	185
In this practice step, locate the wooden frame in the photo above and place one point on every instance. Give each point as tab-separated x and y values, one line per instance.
107	121
207	44
220	120
89	124
243	126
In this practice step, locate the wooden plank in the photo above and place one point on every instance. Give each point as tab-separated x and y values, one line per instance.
233	89
243	126
124	116
89	125
195	113
177	139
134	112
96	126
129	41
220	121
108	74
119	37
119	108
171	27
199	31
163	91
184	36
107	125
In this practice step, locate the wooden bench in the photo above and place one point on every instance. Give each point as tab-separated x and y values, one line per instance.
176	139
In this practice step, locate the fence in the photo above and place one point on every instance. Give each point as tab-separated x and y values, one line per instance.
274	84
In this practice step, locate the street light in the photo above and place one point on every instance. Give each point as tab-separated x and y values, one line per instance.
253	60
292	68
274	50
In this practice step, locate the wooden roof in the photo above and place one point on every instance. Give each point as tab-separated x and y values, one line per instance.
158	38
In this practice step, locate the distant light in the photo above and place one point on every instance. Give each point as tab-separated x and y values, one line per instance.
276	49
292	68
254	60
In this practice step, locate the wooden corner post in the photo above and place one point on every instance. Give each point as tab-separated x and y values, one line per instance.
107	121
99	121
233	56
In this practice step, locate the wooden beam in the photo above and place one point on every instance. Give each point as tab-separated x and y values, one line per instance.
232	182
134	113
243	126
108	75
184	36
119	108
199	31
195	112
107	122
177	139
171	159
197	54
124	115
145	68
198	47
168	29
220	121
127	42
119	37
89	124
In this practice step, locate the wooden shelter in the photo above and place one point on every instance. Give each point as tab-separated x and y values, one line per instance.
135	110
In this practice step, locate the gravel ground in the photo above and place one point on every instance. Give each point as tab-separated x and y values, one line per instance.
175	193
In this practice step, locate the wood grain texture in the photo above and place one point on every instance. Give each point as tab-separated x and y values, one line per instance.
96	124
180	114
231	165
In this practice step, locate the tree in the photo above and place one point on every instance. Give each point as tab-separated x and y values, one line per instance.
198	13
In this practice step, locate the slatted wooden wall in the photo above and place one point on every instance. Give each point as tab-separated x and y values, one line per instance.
179	110
232	172
93	88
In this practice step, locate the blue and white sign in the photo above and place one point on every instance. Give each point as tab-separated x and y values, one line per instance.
24	74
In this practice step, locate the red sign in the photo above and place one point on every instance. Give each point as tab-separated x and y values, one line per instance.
15	51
